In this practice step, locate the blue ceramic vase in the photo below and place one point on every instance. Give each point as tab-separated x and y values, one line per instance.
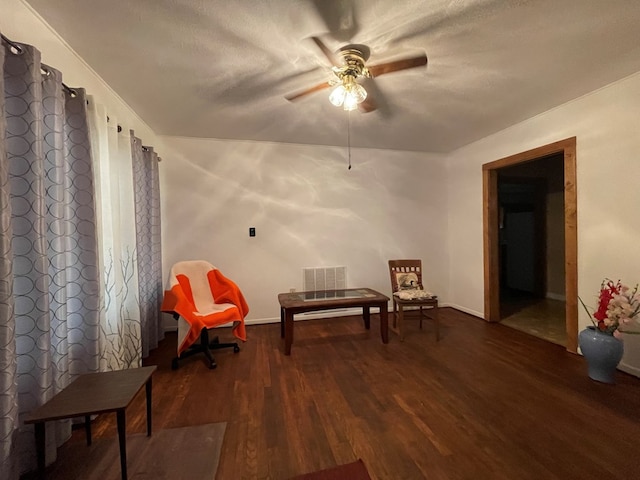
603	353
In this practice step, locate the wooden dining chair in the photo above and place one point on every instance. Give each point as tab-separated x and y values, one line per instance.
408	292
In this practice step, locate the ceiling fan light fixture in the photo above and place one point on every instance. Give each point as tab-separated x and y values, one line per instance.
348	94
348	67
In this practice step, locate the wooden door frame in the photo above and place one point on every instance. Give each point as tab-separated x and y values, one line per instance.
567	148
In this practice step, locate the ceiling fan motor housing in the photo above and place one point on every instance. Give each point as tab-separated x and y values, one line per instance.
353	64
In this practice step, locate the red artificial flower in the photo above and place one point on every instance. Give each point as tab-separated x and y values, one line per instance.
607	291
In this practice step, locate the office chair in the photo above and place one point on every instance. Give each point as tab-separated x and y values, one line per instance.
200	298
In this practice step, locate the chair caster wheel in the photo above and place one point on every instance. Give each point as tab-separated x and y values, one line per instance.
236	349
174	364
212	365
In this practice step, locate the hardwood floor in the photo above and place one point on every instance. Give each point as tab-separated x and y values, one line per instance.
486	402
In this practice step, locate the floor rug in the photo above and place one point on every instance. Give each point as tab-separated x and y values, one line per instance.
174	453
350	471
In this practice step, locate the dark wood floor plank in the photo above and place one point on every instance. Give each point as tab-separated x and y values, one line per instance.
485	402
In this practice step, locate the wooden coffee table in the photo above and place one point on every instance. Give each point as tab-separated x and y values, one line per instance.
300	302
91	394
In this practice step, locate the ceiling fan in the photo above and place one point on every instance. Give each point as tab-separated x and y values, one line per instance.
350	71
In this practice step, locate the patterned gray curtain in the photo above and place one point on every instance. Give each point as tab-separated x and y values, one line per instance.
146	186
8	364
49	288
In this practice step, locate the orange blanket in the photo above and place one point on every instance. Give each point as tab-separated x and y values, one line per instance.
226	305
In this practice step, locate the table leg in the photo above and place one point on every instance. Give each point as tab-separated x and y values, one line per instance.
288	332
87	428
366	315
122	438
148	391
384	322
40	448
281	322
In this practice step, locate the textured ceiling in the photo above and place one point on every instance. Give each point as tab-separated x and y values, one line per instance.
221	69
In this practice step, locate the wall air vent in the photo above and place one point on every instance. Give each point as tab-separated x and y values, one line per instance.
324	278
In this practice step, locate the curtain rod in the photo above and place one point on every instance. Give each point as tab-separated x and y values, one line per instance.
19	48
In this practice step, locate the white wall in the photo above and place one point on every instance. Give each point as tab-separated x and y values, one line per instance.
607	126
20	23
308	209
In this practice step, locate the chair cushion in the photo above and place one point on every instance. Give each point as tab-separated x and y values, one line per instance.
413	294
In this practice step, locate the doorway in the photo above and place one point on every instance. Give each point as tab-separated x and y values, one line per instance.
531	253
530	262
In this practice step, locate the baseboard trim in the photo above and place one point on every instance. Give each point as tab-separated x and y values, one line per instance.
635	371
465	310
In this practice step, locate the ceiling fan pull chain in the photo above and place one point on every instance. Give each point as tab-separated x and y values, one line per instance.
349	136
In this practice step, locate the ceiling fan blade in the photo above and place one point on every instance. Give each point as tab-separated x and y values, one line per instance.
316	88
339	17
397	65
327	53
368	105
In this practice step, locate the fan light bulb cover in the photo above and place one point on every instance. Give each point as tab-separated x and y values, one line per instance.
348	95
358	92
338	95
350	102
